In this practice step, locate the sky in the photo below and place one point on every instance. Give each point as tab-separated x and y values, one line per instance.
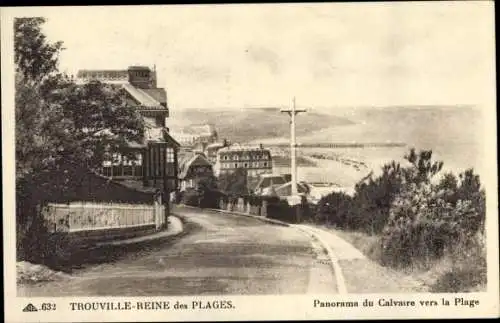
325	55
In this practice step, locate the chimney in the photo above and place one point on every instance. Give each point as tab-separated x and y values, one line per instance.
261	146
154	79
287	177
140	76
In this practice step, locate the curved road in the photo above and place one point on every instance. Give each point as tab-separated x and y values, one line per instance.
219	254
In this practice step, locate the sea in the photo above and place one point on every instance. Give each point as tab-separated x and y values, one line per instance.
455	134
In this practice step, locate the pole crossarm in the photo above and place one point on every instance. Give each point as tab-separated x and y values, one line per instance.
290	111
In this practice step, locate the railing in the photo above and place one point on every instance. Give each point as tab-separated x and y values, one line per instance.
86	216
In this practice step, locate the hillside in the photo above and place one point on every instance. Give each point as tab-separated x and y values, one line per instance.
454	133
243	125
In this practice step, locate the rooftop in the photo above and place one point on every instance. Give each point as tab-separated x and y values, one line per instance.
190	160
196	130
148	98
215	145
238	147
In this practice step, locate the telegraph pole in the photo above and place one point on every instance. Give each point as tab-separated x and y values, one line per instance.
293	145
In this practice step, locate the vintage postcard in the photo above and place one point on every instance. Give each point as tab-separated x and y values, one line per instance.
249	162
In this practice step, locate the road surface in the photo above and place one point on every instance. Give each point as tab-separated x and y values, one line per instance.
219	254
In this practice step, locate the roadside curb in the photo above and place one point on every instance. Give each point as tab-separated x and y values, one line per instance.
337	271
260	218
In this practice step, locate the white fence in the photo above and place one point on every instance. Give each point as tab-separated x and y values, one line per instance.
85	216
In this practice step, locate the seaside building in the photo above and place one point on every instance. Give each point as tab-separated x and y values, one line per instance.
212	150
156	157
194	168
256	160
196	135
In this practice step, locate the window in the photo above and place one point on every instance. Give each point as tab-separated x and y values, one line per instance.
246	165
128	170
106	171
117	170
235	165
265	164
126	166
170	155
138	159
137	170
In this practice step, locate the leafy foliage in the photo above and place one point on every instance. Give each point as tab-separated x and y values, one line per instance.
368	210
209	192
425	220
35	57
235	183
59	122
417	219
191	197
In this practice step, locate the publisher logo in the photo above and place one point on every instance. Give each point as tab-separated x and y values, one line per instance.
30	308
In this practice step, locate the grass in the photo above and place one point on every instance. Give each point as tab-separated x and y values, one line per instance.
363	242
459	270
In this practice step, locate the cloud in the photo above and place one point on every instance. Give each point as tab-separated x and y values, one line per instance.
405	53
264	56
200	73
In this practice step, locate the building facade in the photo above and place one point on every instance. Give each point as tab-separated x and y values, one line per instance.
156	157
255	160
212	150
192	170
196	135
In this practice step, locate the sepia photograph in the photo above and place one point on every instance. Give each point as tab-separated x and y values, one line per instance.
250	150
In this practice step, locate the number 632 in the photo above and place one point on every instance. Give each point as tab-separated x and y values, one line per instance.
48	307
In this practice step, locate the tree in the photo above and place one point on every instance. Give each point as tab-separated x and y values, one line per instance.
234	183
208	192
208	183
58	119
36	60
424	168
35	57
59	122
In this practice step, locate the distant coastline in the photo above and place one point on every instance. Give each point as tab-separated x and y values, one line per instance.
342	145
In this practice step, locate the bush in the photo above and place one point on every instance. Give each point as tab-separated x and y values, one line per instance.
280	210
191	197
336	209
368	210
255	200
428	220
468	268
234	183
210	199
417	221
